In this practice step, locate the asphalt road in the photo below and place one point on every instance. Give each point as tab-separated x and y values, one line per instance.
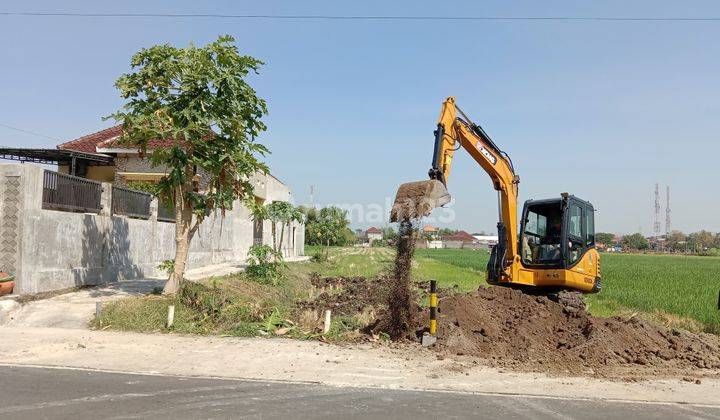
30	392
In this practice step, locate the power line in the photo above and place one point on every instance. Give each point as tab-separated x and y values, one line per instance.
364	17
28	132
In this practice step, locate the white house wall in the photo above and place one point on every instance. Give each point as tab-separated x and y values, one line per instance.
50	250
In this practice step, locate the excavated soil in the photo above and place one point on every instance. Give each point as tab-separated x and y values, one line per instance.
508	328
401	301
347	295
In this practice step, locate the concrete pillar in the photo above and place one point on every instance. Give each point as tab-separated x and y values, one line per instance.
154	209
106	199
21	188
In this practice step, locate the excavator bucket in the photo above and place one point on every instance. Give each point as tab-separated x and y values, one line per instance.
417	199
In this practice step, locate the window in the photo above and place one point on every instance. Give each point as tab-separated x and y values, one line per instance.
577	233
541	236
575	221
590	227
537	224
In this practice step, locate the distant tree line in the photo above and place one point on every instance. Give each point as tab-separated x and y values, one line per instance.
702	242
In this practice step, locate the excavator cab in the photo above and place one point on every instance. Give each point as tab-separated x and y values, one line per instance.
556	233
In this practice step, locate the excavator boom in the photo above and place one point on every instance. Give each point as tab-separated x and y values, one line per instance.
418	199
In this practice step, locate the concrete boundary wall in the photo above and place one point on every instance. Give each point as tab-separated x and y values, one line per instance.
49	250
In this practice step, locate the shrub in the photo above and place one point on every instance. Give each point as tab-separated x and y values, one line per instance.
168	266
320	256
265	264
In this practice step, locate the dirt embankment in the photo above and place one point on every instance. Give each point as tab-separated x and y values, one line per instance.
508	328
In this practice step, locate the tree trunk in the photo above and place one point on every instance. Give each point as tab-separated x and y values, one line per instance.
274	234
282	234
183	235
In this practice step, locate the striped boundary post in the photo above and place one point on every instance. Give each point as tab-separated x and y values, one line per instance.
433	307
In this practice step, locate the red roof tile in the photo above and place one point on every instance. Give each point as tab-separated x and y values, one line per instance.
89	142
459	236
152	144
373	230
107	139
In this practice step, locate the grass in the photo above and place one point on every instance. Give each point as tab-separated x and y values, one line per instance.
233	305
678	291
451	268
684	286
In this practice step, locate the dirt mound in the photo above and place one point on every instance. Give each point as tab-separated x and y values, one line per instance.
509	328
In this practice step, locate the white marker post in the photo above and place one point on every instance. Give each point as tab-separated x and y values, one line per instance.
326	327
171	316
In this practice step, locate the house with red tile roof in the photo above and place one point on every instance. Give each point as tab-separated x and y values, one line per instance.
460	236
127	165
374	234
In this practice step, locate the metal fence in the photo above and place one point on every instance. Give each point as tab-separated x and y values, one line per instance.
70	193
131	203
166	212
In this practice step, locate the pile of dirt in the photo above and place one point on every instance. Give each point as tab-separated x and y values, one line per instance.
509	328
347	295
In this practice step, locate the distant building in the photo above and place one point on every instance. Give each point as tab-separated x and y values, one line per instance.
373	234
431	232
486	240
459	239
460	235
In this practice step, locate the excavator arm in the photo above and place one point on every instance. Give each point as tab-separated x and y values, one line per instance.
453	132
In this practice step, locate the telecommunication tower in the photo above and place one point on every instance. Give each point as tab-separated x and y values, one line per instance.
656	217
668	225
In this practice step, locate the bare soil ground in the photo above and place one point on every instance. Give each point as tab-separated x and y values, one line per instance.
506	328
509	328
347	296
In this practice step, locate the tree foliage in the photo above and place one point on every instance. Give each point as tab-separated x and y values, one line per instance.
281	213
327	226
607	239
197	102
389	234
264	264
635	241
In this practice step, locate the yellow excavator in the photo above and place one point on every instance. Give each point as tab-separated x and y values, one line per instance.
556	245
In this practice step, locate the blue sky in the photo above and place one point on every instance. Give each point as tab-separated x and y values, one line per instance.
599	109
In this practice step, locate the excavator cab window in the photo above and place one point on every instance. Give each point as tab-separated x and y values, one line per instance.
556	233
580	230
541	240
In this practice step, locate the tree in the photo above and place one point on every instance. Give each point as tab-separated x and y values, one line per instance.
700	241
676	241
283	213
447	232
347	237
635	241
389	234
605	238
197	101
327	226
